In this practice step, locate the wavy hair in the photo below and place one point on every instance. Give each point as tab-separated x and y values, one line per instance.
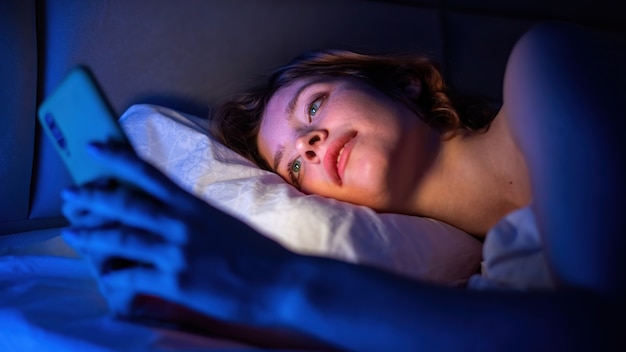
236	123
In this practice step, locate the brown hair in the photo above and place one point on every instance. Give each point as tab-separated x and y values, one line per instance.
236	123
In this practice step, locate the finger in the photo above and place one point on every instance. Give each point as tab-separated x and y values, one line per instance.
78	216
121	298
119	285
127	243
120	204
213	299
126	166
148	280
120	301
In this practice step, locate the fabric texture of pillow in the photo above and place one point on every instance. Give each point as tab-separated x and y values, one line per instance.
179	146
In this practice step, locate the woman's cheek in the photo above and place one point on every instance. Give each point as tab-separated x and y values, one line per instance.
368	178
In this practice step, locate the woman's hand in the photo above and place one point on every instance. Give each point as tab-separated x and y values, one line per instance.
144	234
179	248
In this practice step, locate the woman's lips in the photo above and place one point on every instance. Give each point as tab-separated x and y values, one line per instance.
344	156
337	156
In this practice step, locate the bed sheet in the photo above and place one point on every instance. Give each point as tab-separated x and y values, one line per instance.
51	303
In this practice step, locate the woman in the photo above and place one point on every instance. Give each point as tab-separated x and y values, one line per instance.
543	145
380	131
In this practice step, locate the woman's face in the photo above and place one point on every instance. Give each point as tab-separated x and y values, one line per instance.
343	139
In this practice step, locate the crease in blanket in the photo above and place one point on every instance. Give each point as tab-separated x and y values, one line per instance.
513	256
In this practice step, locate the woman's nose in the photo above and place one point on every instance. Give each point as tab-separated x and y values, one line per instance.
310	145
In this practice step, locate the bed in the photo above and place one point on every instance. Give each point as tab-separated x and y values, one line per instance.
162	64
41	279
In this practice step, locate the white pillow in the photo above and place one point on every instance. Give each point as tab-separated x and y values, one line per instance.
421	248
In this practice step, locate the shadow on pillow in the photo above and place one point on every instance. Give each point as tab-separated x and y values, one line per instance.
420	248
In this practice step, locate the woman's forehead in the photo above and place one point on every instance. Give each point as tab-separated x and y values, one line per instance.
276	112
282	102
274	127
292	88
286	95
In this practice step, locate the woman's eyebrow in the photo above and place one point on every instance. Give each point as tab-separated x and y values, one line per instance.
278	156
291	106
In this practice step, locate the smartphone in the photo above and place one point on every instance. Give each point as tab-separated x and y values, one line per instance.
73	116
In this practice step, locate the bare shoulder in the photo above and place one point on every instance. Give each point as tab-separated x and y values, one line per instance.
567	77
564	91
569	67
559	39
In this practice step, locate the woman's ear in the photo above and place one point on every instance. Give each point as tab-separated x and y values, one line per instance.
412	89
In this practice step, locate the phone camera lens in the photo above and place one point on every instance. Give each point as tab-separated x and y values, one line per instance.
56	132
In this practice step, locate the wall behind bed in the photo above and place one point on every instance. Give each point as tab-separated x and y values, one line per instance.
190	54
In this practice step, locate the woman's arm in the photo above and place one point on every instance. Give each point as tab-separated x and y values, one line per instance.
365	309
189	253
564	95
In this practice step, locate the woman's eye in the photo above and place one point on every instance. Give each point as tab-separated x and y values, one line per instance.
294	169
314	107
